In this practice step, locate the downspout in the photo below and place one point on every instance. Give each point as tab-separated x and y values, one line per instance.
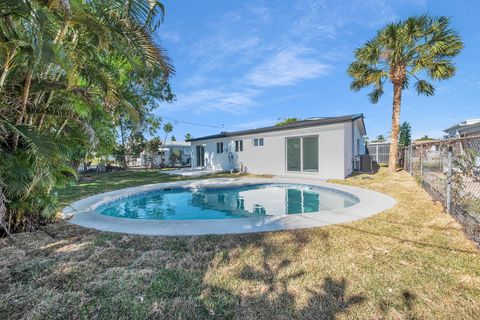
353	148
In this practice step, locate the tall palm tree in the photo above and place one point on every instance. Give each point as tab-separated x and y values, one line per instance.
419	47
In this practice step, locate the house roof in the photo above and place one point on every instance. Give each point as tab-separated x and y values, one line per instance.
178	143
463	126
311	122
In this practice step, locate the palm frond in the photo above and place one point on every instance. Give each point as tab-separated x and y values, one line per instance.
425	88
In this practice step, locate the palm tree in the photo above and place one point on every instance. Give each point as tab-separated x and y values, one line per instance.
68	71
420	46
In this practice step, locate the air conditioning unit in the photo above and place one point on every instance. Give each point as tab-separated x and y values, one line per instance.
364	163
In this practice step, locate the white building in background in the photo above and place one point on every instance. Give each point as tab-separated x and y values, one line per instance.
315	147
465	128
163	155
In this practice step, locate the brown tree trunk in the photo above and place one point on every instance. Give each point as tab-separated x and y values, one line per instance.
40	122
6	66
23	106
61	127
397	99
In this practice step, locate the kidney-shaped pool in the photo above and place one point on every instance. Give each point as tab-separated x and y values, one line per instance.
227	202
225	205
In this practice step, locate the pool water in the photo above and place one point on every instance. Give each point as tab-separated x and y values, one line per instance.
228	202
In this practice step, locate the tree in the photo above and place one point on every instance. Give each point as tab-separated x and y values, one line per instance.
167	128
173	138
151	150
287	121
425	138
73	74
188	136
175	155
380	138
418	46
405	136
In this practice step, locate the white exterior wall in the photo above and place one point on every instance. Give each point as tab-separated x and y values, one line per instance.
335	152
354	144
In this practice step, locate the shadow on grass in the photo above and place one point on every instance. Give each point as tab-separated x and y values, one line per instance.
72	272
274	299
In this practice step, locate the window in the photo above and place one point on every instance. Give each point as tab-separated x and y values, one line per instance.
258	142
238	145
310	153
219	147
302	154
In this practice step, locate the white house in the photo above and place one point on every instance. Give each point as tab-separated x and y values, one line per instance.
315	147
465	128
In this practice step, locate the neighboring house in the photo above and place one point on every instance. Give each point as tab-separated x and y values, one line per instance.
315	147
463	129
163	156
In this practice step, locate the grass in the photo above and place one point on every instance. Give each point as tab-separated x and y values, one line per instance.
410	262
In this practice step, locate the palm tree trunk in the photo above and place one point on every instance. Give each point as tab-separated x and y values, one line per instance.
61	127
397	99
122	136
23	106
40	122
6	66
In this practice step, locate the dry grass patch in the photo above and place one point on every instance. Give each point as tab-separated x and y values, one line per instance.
412	261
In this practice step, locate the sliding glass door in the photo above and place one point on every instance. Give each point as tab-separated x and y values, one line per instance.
302	154
310	154
293	154
200	156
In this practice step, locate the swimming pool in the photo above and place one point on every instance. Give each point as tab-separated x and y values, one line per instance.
233	202
225	206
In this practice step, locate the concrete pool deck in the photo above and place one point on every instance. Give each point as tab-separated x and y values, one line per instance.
82	212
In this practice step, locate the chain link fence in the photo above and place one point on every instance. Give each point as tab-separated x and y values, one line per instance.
450	171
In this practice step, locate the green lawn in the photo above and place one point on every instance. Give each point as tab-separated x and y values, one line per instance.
410	262
94	183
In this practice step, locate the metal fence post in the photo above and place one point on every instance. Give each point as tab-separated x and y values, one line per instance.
421	163
448	198
411	161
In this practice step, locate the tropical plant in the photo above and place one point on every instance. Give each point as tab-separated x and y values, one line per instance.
73	74
151	151
167	128
175	155
188	136
405	136
287	121
420	46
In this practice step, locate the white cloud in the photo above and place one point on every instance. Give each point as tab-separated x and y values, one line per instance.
253	124
234	102
287	67
170	36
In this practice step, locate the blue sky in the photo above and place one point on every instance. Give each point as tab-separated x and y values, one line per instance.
245	64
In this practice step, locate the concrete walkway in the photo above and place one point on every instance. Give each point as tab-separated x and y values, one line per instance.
83	212
190	172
